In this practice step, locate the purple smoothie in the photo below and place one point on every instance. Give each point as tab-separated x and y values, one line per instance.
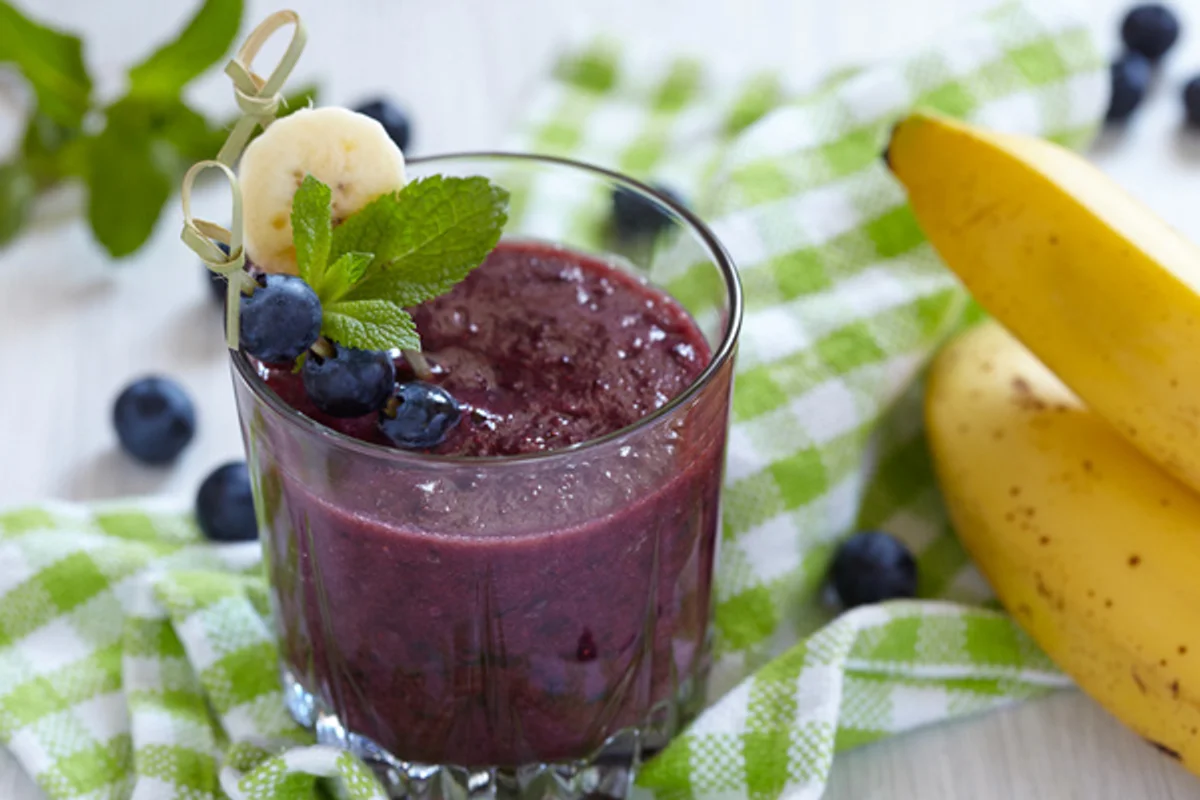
488	611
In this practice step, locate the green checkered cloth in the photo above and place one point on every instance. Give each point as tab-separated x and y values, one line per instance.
136	661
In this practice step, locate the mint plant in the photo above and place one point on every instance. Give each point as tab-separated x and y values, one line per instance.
128	154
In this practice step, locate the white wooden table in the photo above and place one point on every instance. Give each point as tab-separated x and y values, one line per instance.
77	328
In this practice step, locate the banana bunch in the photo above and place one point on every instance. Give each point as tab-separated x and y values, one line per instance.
1071	469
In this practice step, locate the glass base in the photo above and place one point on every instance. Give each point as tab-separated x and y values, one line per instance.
607	773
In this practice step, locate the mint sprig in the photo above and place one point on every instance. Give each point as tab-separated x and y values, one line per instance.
400	250
51	61
149	136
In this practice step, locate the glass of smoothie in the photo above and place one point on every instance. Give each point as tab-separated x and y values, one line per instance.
524	610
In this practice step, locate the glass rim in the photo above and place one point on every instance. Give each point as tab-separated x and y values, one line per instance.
722	354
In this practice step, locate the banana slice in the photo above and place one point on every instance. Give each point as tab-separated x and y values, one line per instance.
349	152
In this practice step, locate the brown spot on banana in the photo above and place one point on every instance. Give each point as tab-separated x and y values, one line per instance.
1024	397
1166	751
1042	589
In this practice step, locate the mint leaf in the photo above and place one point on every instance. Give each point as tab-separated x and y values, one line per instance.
17	189
171	120
342	274
400	250
50	151
129	177
370	325
201	44
312	229
52	62
189	132
425	238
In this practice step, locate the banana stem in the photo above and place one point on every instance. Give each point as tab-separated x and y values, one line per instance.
420	366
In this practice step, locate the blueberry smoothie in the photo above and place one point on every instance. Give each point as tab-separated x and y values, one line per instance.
507	598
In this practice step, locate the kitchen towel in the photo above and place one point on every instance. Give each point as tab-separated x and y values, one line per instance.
137	661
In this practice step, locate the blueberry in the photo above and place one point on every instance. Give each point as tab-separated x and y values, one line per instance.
391	117
351	382
872	566
1150	29
217	285
1191	101
419	415
155	420
636	216
225	504
216	282
1130	78
281	319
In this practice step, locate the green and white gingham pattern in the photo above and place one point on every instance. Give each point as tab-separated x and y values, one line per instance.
137	662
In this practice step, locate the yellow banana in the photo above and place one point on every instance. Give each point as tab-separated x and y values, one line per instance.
1092	547
1102	290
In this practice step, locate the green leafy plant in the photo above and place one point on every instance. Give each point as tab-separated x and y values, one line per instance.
130	154
400	250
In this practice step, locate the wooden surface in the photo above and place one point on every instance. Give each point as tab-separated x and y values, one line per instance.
77	328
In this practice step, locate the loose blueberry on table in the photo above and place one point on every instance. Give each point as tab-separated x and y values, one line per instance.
1130	77
225	504
1191	101
155	420
393	119
872	566
634	215
1150	30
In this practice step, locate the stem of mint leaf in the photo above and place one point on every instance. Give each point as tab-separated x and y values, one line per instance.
419	364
